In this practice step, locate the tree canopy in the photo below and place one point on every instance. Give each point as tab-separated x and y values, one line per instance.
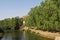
11	23
45	16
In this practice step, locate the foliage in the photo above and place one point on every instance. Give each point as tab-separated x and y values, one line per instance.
11	23
45	16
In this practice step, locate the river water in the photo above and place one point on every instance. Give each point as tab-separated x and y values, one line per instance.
20	35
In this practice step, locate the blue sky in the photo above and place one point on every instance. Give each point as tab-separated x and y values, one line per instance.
13	8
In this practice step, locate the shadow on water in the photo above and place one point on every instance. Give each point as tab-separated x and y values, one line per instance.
1	33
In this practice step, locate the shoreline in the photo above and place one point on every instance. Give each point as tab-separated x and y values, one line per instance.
45	34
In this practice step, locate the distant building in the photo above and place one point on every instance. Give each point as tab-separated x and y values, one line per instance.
23	20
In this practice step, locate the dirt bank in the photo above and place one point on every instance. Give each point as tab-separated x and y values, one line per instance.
44	33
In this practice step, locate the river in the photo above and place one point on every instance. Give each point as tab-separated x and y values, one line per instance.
20	35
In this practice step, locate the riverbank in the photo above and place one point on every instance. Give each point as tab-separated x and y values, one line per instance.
43	33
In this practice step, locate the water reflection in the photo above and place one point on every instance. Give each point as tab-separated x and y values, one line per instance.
1	33
23	36
12	36
33	36
20	35
17	35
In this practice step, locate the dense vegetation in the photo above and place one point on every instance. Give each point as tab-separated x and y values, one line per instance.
46	16
11	23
